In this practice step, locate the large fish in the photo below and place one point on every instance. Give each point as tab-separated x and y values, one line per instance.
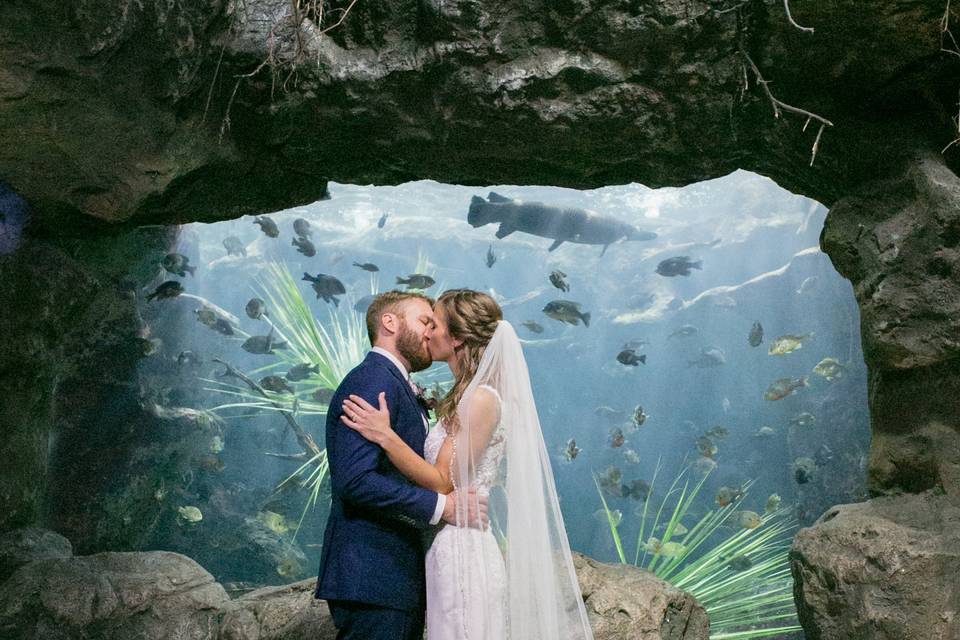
561	224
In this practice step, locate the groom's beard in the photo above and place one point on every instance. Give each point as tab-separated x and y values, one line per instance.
412	347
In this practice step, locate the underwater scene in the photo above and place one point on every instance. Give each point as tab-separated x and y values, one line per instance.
696	365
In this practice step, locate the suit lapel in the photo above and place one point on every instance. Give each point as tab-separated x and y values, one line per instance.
399	376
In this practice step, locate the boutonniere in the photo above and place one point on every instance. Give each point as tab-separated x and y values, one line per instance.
429	404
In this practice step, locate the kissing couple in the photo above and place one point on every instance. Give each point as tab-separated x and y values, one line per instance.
457	527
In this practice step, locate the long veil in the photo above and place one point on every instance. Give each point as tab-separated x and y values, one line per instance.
541	599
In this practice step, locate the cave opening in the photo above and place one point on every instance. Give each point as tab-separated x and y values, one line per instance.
741	367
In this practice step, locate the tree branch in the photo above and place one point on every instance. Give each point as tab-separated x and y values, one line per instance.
305	439
786	7
780	104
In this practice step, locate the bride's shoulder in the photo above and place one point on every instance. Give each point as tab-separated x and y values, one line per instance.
492	394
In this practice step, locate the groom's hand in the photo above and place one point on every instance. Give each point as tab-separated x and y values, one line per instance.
470	503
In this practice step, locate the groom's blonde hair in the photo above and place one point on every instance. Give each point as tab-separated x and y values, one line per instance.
389	302
472	316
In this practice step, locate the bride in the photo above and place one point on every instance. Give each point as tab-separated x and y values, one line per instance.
514	579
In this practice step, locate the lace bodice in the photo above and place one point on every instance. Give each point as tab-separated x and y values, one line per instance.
489	462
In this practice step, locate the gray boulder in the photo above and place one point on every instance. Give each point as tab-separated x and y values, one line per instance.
884	569
20	546
626	602
278	613
153	595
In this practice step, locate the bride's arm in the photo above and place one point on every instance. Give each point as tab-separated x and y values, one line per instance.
374	425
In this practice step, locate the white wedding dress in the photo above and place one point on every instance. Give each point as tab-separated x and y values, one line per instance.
449	579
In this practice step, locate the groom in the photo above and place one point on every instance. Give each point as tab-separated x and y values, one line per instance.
372	563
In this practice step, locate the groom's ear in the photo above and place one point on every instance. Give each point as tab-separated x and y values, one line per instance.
389	321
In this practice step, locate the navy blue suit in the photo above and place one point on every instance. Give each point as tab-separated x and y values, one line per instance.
373	552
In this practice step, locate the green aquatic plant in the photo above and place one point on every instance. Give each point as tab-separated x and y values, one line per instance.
740	575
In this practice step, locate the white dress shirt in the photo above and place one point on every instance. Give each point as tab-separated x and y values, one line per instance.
441	498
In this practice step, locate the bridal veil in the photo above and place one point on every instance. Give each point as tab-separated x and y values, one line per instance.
542	597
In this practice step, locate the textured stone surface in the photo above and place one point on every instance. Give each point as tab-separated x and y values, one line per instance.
153	595
885	569
625	602
158	594
118	110
898	241
20	546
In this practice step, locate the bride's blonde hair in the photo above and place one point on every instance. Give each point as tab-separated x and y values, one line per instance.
472	317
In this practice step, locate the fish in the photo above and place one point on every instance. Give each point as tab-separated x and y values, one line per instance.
677	266
304	246
684	331
803	419
709	357
187	357
277	384
773	503
274	521
764	432
535	327
222	326
739	563
631	456
256	308
756	334
301	227
639	417
491	259
216	444
570	450
557	279
725	404
637	490
615	517
322	395
788	344
234	246
149	346
268	226
823	455
671	549
807	285
567	311
804	469
364	303
783	387
678	528
704	465
829	368
604	411
178	264
189	515
382	221
634	344
417	281
367	266
652	545
617	438
560	224
327	287
630	358
727	495
748	519
289	567
168	289
336	257
707	447
611	481
302	371
718	433
259	344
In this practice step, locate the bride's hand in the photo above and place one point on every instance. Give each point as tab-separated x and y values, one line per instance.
370	422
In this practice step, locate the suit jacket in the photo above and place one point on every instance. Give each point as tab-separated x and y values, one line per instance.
372	546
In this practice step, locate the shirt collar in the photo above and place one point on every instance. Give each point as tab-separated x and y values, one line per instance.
392	358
